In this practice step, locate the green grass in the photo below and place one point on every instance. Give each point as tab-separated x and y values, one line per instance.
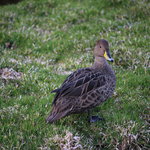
49	38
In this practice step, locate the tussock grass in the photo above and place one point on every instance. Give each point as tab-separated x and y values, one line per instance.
45	40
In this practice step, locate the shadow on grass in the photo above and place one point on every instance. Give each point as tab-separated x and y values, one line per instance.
7	2
79	124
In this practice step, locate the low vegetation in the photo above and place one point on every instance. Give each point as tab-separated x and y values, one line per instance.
42	41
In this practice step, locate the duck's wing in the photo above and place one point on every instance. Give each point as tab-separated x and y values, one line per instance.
79	83
71	78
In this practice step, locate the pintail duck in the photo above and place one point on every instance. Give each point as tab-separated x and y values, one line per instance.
85	88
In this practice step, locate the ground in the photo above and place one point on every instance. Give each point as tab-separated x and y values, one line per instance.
42	41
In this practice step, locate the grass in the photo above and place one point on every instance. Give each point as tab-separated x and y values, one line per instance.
45	40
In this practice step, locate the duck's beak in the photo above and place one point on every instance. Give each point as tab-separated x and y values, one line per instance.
108	56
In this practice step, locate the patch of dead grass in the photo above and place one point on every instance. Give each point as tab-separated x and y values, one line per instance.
10	73
67	142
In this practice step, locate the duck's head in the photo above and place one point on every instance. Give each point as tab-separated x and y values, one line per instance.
102	50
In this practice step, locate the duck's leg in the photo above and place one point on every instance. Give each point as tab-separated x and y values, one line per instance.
92	119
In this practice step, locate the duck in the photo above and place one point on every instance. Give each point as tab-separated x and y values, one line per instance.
85	88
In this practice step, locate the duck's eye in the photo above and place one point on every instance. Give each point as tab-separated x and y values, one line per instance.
100	47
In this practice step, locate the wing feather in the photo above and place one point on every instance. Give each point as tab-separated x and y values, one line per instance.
80	82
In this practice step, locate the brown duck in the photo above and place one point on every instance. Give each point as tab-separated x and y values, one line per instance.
85	88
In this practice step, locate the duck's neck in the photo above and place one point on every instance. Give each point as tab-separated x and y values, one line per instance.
100	62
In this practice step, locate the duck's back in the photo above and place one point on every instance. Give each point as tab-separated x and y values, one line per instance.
82	90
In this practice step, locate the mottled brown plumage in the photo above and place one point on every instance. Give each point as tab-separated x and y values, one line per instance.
85	88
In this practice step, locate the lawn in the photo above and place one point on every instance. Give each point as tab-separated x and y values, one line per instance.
42	41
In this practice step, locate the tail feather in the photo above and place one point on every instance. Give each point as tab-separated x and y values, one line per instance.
56	90
58	112
54	117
